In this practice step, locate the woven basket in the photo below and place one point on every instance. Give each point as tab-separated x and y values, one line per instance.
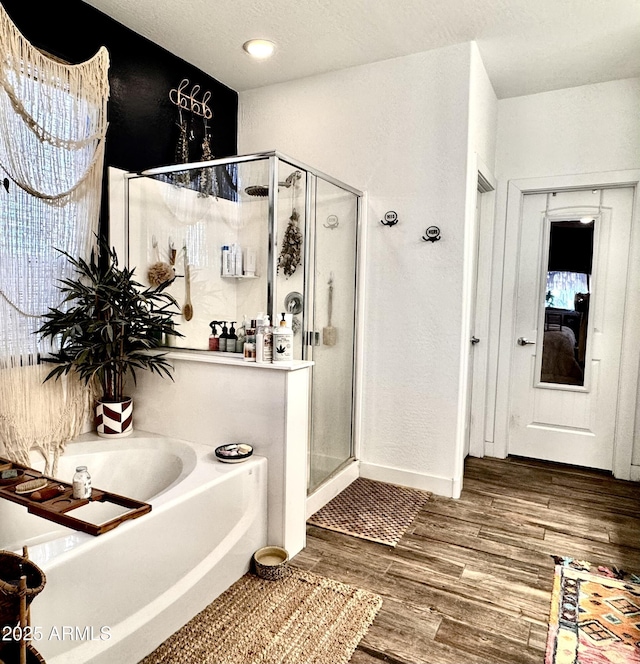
12	567
271	563
11	653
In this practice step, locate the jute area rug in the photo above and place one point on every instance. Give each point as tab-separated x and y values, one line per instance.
371	510
302	618
595	615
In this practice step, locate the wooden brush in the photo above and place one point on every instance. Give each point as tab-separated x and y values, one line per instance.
329	333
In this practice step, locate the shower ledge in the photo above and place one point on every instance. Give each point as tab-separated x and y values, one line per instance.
215	357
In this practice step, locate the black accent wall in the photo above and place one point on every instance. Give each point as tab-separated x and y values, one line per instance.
143	127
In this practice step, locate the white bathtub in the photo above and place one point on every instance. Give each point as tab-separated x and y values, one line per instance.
122	593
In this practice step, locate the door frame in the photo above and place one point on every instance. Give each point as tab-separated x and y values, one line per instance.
628	383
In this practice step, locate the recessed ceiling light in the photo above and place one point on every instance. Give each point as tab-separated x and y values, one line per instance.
259	48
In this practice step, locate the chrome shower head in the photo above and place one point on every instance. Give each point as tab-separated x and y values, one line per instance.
259	190
262	190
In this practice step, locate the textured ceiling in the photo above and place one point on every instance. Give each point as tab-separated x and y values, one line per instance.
527	46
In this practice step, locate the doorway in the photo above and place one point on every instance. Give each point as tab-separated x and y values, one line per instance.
568	283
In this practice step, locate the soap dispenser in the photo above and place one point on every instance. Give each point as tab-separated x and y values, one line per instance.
222	342
231	340
214	340
283	341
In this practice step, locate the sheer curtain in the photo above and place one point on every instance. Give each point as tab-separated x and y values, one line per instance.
53	122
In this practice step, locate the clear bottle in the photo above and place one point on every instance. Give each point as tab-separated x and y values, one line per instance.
81	483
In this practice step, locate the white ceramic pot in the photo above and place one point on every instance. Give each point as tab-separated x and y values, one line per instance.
114	419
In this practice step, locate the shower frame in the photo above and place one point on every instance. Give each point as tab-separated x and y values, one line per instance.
312	174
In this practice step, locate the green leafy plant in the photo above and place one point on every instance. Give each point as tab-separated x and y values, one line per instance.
110	325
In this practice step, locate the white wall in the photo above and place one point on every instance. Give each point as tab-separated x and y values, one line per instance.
591	128
587	129
399	130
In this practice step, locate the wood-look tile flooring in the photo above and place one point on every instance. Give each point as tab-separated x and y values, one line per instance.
470	581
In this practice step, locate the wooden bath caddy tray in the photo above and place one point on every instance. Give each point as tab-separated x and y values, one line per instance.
57	508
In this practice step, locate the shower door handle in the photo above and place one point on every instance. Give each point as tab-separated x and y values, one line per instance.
313	338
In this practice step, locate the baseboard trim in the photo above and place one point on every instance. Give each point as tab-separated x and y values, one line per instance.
332	488
441	486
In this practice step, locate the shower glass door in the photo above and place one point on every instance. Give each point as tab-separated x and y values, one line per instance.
331	326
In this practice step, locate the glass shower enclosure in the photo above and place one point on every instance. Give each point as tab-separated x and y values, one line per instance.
293	232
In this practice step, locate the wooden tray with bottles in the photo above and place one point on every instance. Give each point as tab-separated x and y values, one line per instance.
57	507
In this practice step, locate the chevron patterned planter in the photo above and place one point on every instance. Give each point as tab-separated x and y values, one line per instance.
114	420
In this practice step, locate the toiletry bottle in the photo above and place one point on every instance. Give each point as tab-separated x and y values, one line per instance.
283	342
231	340
250	342
260	339
81	483
264	342
214	340
222	342
237	260
242	335
267	353
249	263
226	261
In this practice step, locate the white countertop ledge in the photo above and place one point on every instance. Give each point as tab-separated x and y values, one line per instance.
217	357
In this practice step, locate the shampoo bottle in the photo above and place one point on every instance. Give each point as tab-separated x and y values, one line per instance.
283	342
226	261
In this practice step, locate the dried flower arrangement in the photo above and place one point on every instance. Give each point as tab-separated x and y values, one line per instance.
291	252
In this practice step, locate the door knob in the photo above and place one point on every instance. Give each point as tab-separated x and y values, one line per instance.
522	341
475	340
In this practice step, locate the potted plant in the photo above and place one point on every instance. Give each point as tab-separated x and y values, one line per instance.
104	331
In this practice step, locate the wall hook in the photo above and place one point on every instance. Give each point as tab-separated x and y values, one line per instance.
432	234
390	218
331	222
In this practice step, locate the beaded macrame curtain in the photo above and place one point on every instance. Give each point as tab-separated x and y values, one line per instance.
53	122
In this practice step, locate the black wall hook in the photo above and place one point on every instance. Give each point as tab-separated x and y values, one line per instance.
432	234
390	218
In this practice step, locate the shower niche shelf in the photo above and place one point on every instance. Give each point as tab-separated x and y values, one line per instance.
57	509
239	276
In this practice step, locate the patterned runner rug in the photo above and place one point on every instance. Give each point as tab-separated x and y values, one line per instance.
371	510
301	618
595	615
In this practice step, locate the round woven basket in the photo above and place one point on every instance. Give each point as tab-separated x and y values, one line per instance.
271	562
12	567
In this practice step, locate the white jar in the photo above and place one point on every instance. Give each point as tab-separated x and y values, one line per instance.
81	483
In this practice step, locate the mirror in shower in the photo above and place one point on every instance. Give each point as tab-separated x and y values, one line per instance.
566	302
